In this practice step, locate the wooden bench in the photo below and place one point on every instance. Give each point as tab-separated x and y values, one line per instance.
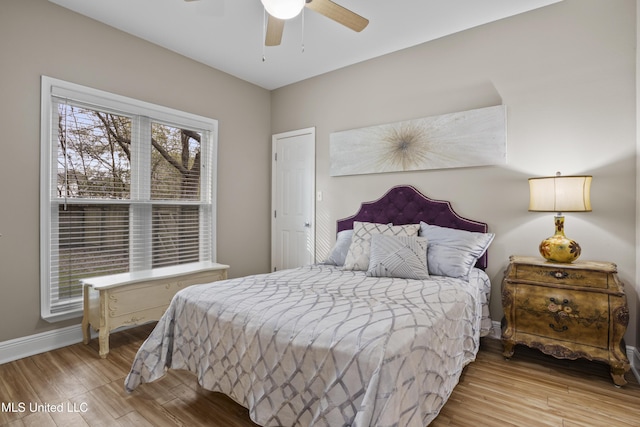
129	299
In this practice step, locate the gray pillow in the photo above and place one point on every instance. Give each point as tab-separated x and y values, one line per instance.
339	251
453	252
358	254
398	256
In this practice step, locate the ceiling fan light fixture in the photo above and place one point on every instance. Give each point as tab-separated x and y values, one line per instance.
283	9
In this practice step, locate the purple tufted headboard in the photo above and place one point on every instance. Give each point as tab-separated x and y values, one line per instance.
406	205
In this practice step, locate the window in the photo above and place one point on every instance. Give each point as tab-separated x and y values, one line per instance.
125	186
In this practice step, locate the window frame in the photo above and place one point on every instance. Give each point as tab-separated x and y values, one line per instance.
139	110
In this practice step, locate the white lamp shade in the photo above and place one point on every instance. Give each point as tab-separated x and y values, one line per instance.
283	9
560	194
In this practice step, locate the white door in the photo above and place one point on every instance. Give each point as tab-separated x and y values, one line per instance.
292	199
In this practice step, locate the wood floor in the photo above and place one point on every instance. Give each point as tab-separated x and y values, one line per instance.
529	390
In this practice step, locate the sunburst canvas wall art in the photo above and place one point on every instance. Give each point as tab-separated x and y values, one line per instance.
455	140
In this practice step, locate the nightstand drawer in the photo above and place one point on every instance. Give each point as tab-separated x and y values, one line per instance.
564	315
563	276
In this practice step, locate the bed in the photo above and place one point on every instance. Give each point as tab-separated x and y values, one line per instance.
376	335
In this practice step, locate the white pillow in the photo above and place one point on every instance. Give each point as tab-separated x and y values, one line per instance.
398	256
358	254
453	252
339	251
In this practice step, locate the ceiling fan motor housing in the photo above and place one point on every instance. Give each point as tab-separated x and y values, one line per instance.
283	9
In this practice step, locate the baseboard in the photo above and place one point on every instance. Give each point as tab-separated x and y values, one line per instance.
634	359
496	330
46	341
39	343
632	352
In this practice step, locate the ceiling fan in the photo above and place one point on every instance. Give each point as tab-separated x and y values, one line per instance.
281	10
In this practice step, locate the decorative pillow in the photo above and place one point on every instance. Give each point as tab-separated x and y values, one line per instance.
340	249
358	254
453	252
398	256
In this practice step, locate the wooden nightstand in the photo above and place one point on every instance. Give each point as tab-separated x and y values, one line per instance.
569	311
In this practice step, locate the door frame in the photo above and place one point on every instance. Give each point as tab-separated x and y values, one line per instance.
274	182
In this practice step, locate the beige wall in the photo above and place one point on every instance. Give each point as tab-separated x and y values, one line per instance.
38	37
566	73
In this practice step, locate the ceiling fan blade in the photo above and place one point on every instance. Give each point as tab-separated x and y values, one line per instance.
339	14
275	27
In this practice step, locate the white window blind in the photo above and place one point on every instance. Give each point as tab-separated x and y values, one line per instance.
126	186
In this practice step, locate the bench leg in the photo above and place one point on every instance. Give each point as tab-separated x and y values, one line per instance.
86	336
103	340
86	333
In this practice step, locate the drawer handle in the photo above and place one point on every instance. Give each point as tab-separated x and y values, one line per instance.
555	328
559	274
564	301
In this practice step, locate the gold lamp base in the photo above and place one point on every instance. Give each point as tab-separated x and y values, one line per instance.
559	248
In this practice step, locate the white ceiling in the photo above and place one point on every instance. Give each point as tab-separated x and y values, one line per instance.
228	34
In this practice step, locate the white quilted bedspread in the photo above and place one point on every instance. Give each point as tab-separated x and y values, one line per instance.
318	346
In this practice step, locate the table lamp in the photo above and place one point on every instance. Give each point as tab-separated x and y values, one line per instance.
570	193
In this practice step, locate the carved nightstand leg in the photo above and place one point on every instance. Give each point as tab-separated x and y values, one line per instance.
617	374
507	349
